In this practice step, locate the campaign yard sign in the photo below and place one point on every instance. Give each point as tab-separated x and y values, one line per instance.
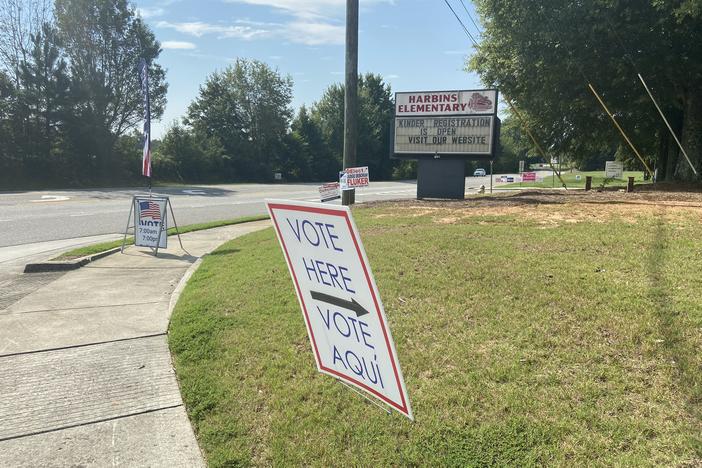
529	177
340	303
150	220
354	177
329	192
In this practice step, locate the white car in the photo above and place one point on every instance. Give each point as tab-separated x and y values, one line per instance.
480	172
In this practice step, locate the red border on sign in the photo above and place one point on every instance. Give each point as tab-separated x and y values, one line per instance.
273	206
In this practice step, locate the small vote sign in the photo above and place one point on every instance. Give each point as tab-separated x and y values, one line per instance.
340	303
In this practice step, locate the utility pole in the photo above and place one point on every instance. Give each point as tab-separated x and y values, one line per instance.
348	197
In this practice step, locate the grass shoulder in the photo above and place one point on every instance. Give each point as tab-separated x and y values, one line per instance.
577	180
529	334
103	246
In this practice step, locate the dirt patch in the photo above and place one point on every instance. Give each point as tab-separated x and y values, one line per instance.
553	208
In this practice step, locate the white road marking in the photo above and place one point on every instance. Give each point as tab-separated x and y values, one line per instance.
51	198
195	192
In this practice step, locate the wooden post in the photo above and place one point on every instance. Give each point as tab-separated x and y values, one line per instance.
588	183
348	197
630	185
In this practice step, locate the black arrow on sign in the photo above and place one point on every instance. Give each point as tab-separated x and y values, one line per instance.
333	300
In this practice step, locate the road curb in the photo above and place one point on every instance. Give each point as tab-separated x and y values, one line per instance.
66	265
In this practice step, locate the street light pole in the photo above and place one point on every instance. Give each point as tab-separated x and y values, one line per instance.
351	95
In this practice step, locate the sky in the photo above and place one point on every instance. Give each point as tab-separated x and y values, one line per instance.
415	45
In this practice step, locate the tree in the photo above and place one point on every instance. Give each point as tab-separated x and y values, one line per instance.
43	101
188	155
328	115
20	21
104	41
246	108
375	119
314	154
543	54
514	146
9	163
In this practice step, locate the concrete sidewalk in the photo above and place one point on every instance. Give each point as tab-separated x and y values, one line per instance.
85	371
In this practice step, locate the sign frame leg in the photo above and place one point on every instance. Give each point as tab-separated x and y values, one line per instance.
129	218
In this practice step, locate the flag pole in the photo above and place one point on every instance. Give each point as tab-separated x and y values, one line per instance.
146	151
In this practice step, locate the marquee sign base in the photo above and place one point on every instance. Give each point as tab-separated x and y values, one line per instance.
441	178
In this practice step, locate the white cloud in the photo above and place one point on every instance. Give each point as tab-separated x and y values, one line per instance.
311	22
306	7
180	45
199	29
315	33
314	22
297	7
146	12
299	31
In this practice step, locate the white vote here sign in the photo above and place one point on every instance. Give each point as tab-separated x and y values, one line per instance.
345	320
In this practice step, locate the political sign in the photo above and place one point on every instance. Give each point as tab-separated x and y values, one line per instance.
614	169
329	191
340	303
150	222
529	177
354	177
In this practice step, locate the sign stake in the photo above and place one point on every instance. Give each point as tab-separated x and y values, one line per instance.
126	229
365	397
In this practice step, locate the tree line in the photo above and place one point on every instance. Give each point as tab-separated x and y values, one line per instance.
69	91
241	127
543	55
71	109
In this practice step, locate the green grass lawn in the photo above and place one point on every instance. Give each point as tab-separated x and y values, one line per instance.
103	246
553	332
569	178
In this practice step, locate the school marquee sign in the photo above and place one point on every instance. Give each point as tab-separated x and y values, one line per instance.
445	122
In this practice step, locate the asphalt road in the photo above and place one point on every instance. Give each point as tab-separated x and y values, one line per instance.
35	226
31	217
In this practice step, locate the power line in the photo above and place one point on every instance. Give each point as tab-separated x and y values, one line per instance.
477	28
509	102
470	36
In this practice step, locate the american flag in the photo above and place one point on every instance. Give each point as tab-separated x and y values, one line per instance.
146	155
149	209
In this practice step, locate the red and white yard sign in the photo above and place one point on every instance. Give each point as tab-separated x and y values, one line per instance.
340	303
528	176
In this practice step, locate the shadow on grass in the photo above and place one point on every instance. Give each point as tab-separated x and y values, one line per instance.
680	351
224	251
